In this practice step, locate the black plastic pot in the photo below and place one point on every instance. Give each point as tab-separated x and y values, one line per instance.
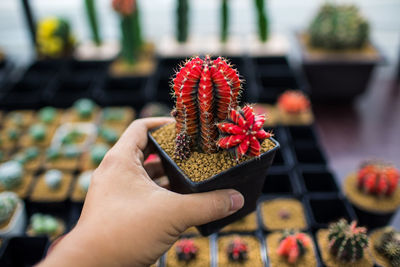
337	78
302	134
24	251
318	182
373	220
247	178
307	153
278	184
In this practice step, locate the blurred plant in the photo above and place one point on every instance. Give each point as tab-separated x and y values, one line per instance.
389	245
186	250
8	203
224	20
43	224
339	27
347	241
293	101
11	174
263	25
237	250
182	21
91	14
54	37
293	245
378	178
131	42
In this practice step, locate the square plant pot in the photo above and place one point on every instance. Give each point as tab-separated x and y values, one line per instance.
278	184
318	182
302	134
247	178
309	154
24	251
337	77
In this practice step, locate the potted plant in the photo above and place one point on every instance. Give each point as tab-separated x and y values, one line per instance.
290	248
136	57
385	246
182	20
14	178
374	193
239	250
344	245
337	56
189	251
12	215
45	225
294	108
195	158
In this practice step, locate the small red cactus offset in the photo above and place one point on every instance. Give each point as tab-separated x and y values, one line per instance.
293	101
293	245
182	149
186	249
124	7
237	250
205	90
242	132
378	178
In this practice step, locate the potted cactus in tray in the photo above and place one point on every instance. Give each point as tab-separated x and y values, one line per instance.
374	193
214	144
338	57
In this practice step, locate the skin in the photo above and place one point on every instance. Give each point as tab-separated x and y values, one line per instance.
128	220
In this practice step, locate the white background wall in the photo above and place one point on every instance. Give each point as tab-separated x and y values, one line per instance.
158	17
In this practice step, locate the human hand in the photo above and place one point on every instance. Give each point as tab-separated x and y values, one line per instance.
128	220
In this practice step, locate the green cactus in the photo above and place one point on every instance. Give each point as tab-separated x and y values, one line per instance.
224	20
53	179
98	152
338	27
47	115
84	107
262	19
43	224
8	203
347	241
38	132
11	174
91	14
182	22
389	245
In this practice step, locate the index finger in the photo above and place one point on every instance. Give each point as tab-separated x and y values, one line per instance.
135	136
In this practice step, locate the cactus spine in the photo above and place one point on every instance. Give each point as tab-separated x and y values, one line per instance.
263	30
131	42
182	22
224	20
91	14
204	90
378	178
347	241
339	27
389	245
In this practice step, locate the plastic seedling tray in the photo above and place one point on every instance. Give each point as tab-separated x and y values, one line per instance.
278	184
324	210
302	133
319	182
24	251
309	154
271	60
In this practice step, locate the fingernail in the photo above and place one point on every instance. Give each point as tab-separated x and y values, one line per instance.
237	201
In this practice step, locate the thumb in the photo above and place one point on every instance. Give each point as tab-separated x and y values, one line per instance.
201	208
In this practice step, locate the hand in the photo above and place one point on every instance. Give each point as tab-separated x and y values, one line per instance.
128	220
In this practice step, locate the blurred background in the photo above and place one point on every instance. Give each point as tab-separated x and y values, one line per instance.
347	81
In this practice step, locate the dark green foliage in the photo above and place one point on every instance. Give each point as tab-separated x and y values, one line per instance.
93	22
389	245
224	20
347	242
339	27
262	19
182	22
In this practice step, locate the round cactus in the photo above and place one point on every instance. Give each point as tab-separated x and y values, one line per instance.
378	178
11	174
84	180
293	245
108	134
294	102
43	224
84	107
98	152
47	115
347	241
389	245
53	179
52	153
242	132
8	203
339	27
38	132
237	250
71	151
186	250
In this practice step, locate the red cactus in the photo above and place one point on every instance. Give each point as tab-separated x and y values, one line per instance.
186	249
237	250
293	101
243	132
378	178
293	246
205	90
124	7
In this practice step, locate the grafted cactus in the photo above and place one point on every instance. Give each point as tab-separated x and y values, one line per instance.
389	245
378	178
293	245
237	250
186	250
347	241
205	90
